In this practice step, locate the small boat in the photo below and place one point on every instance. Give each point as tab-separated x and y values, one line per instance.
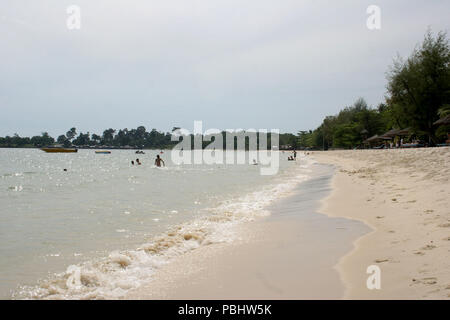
102	152
59	150
140	152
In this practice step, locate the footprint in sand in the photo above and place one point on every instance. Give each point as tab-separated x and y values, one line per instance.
429	211
429	281
419	253
444	225
381	260
429	247
380	217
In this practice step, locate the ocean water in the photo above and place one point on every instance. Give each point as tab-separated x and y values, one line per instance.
104	226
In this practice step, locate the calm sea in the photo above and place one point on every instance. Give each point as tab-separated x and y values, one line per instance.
104	226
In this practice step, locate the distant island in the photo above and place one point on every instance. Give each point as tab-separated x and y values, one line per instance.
416	110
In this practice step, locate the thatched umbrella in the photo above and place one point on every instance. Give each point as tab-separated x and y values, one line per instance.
390	134
375	138
404	132
443	121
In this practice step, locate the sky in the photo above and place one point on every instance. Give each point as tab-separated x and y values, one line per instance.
263	64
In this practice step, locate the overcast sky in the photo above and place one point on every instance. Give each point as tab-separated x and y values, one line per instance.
282	64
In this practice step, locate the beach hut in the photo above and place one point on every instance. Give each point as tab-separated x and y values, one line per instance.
376	139
393	133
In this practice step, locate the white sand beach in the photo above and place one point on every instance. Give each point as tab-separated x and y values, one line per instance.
290	254
404	196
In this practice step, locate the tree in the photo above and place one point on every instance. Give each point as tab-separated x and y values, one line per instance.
108	135
61	139
82	139
96	138
71	134
420	86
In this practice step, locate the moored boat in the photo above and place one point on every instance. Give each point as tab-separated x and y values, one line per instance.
59	150
102	152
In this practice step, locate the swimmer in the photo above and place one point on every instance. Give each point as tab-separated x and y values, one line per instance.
158	161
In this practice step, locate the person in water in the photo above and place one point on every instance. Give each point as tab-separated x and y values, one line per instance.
137	161
132	162
295	155
158	161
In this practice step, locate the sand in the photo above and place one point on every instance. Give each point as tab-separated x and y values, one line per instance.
289	255
404	196
388	208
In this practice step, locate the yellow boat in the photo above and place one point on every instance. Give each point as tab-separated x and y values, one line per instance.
102	152
56	149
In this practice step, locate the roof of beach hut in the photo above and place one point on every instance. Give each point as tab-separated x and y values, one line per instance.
404	132
375	138
391	133
442	121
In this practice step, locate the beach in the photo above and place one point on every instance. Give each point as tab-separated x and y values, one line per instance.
403	195
135	223
289	254
309	232
388	208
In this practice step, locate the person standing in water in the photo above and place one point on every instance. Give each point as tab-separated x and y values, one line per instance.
158	161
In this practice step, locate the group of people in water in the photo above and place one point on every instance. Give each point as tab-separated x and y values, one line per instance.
158	162
294	157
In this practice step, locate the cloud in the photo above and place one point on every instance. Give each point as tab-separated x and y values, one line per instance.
230	63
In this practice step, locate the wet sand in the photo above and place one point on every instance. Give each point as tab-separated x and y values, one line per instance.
289	255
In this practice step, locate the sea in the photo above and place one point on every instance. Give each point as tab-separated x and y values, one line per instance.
93	226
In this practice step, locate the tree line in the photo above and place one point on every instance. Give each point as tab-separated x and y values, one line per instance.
418	94
138	138
134	138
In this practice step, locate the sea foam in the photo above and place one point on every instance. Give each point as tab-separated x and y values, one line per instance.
113	276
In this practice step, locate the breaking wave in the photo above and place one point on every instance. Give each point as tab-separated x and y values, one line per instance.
113	276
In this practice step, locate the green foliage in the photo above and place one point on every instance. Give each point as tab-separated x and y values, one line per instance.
418	95
420	86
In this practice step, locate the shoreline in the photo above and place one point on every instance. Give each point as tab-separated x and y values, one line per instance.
273	257
403	197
